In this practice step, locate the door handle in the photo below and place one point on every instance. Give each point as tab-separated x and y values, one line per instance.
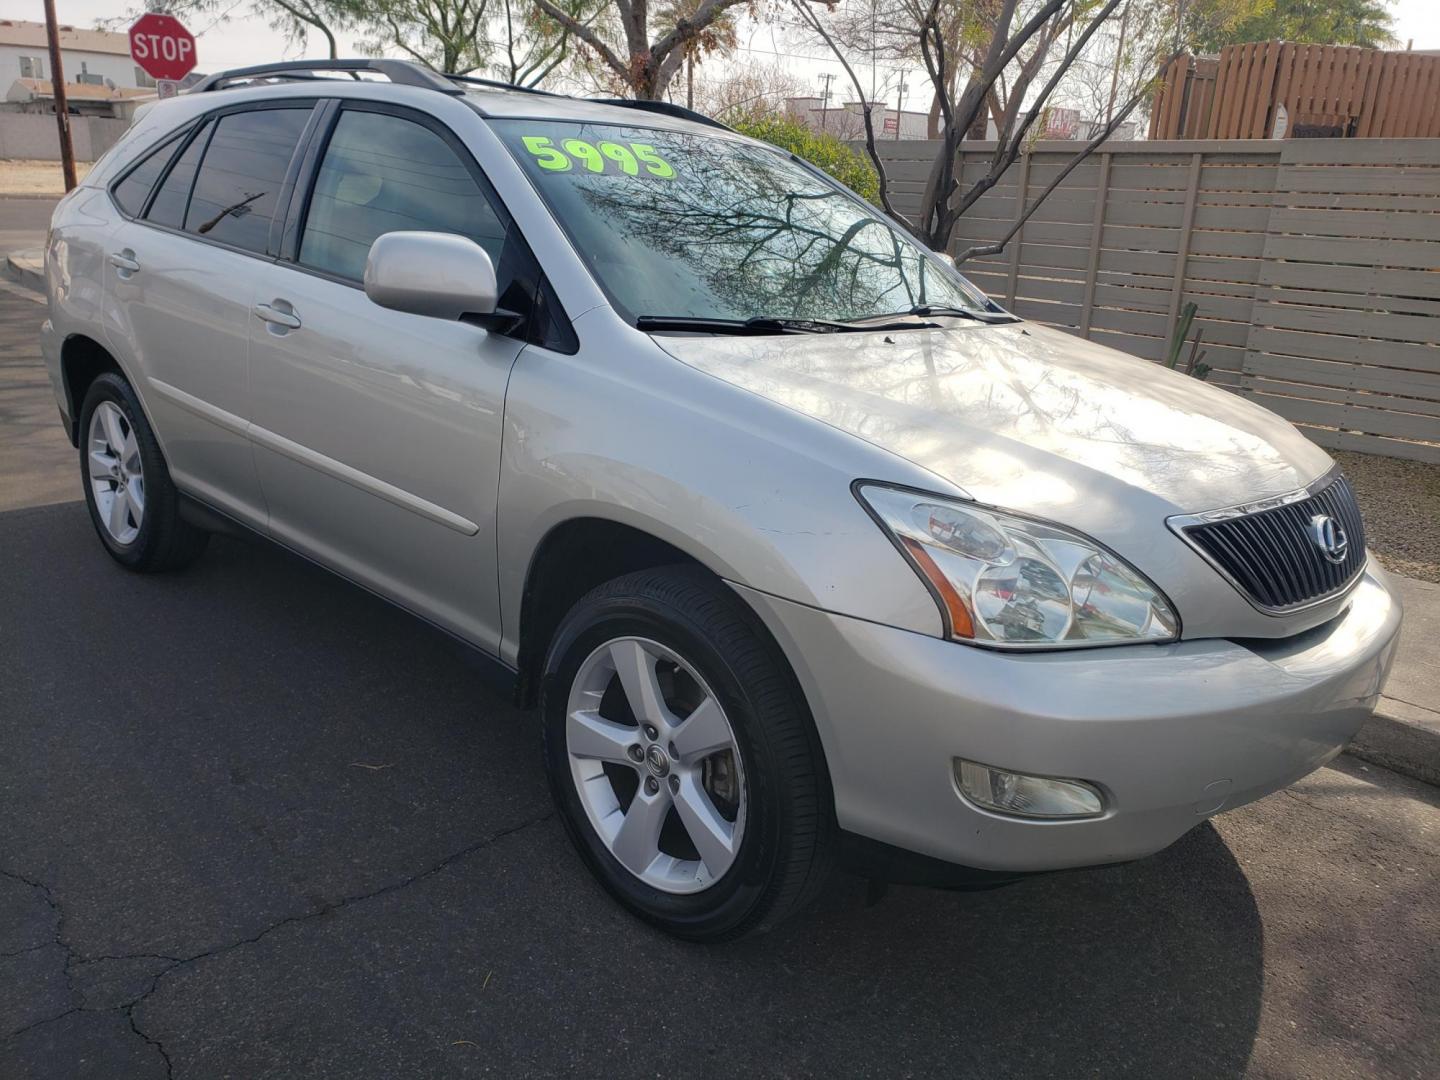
273	315
124	261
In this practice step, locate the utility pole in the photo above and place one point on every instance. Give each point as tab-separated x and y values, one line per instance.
57	89
900	107
825	99
690	81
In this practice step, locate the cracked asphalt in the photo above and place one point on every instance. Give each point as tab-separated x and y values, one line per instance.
255	823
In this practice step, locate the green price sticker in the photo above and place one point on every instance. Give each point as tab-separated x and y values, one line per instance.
626	158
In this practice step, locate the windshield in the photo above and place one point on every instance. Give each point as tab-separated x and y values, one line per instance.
675	224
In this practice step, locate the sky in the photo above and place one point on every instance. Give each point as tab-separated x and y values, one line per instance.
238	41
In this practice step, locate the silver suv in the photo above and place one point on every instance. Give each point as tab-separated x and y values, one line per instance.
806	550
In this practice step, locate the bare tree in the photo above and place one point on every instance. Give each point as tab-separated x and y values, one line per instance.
867	107
1010	56
646	57
745	88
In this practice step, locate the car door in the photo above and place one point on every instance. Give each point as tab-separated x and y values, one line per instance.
377	433
180	285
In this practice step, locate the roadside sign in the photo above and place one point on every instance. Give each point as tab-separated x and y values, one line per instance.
162	47
166	88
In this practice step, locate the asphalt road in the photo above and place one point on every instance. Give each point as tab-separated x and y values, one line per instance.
255	823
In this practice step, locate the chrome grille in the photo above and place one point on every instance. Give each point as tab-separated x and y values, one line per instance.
1271	556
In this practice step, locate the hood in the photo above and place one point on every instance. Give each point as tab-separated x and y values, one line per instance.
1024	416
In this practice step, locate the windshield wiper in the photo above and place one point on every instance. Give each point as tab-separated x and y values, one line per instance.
760	324
964	313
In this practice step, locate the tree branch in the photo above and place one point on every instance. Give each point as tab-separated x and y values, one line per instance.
865	106
998	246
588	36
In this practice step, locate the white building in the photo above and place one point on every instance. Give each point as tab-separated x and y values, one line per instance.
90	57
847	121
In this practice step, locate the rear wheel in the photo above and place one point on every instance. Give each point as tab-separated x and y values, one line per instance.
684	763
133	505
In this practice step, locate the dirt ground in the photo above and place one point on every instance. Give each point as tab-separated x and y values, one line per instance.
1401	504
20	177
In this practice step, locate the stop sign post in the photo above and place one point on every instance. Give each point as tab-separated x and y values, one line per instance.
162	47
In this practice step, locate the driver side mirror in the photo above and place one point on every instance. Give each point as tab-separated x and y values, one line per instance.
440	275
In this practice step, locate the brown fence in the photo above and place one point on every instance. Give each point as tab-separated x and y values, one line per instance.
1315	265
1277	88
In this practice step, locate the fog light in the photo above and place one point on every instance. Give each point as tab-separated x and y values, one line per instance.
1026	796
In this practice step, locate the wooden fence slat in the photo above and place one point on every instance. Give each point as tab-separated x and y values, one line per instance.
1371	444
1022	194
1097	229
1422	386
1353	417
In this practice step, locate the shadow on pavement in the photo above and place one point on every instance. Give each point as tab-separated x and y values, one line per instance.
285	831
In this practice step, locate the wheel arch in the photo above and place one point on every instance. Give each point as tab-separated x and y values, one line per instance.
572	558
82	361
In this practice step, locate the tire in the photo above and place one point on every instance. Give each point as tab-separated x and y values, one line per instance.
133	503
761	806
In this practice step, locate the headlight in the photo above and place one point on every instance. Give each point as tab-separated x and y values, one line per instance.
1014	583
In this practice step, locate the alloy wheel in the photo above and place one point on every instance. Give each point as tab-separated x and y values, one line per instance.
656	765
117	477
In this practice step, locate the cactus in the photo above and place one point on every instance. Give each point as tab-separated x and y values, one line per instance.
1194	366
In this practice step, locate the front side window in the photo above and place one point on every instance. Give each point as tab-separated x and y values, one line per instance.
239	181
679	224
32	67
383	173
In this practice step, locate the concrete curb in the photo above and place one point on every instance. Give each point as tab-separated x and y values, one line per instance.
1402	738
1404	735
26	268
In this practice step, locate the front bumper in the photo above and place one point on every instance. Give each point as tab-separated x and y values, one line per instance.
1171	734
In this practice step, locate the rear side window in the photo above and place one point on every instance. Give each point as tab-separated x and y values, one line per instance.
168	206
240	178
382	174
131	192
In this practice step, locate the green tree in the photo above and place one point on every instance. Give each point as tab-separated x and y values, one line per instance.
821	150
1366	23
447	35
643	49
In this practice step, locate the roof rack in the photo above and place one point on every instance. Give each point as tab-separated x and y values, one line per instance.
665	108
397	71
409	73
498	84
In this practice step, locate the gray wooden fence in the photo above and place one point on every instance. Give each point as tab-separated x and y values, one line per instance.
1315	265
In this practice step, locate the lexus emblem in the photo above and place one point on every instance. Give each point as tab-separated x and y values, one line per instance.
1329	537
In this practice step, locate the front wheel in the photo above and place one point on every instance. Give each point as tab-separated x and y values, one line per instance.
684	763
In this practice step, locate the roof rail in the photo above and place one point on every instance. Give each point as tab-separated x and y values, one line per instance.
665	108
498	84
397	71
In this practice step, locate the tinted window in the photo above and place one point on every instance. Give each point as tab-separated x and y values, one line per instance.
382	174
130	193
168	206
240	178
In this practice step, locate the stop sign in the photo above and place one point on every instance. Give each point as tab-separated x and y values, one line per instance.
162	47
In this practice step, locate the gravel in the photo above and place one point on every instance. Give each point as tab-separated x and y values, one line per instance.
1401	504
